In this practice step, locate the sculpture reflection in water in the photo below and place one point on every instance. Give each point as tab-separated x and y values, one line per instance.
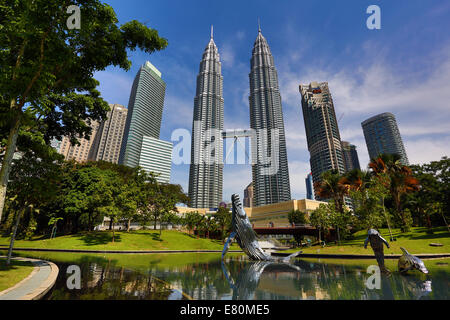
245	236
247	281
411	287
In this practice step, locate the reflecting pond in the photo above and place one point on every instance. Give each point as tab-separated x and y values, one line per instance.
203	276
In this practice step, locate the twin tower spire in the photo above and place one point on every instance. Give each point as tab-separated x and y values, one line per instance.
270	172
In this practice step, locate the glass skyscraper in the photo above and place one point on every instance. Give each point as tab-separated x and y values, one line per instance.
322	132
351	159
382	136
206	169
141	145
270	167
145	109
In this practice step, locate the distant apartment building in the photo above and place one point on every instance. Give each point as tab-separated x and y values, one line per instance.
309	187
383	136
108	141
85	149
351	159
248	195
322	132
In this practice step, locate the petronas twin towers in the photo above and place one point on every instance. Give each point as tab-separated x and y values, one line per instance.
206	171
269	157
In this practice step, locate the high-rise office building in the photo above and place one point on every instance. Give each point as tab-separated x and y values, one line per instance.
309	187
382	136
156	156
81	152
351	160
248	196
141	145
110	135
322	132
144	116
206	169
270	165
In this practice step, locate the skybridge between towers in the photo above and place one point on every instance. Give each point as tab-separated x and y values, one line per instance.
237	135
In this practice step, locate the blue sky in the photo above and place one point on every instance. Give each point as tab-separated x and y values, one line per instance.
403	68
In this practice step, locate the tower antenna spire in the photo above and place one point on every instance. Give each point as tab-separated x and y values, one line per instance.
212	29
259	25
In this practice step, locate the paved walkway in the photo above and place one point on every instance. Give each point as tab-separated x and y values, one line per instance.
36	285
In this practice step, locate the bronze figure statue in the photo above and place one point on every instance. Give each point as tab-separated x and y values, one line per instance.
376	242
409	262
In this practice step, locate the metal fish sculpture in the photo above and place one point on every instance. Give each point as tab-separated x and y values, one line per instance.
242	230
409	262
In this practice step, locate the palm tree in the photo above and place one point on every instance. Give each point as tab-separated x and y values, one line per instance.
332	186
401	180
357	180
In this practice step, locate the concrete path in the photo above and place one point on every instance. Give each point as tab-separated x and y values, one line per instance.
36	285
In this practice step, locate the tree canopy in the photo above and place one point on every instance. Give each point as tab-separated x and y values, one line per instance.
47	88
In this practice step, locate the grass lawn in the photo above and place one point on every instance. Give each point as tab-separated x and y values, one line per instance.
416	241
14	273
134	240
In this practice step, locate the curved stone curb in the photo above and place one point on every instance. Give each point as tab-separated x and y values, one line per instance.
116	251
362	256
36	285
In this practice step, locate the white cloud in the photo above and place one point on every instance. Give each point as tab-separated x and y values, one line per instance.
227	55
427	149
418	99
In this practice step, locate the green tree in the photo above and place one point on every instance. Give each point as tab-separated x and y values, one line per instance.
167	196
191	220
28	193
401	182
87	191
146	200
223	220
365	194
297	217
332	185
432	198
46	81
320	218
